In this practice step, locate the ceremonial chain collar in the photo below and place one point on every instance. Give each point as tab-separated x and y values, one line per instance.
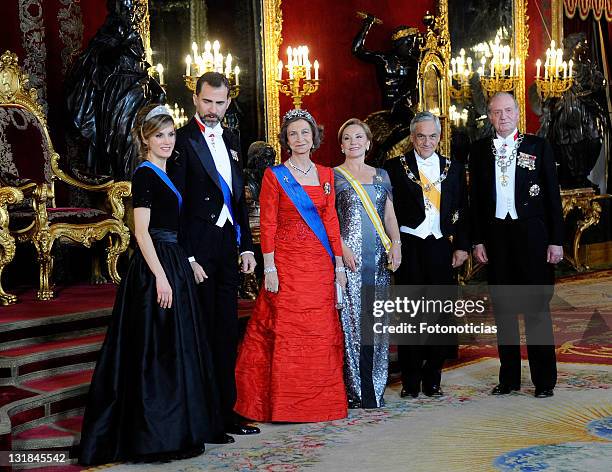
305	172
503	161
427	187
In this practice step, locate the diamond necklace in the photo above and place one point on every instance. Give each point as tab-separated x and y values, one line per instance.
305	172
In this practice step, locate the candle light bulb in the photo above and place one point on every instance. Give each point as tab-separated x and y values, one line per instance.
194	48
538	65
236	74
279	75
160	72
207	46
571	66
316	69
552	44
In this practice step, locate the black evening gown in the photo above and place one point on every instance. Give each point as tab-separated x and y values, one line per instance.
152	395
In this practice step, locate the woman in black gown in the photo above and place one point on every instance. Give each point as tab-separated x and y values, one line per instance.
152	396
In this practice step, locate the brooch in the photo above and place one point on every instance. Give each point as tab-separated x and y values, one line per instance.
326	188
534	190
455	217
286	179
378	178
526	160
234	155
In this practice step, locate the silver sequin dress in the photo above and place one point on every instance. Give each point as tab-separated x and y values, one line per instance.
365	367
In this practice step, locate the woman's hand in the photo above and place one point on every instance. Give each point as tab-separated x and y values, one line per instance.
395	256
341	279
348	257
271	282
164	292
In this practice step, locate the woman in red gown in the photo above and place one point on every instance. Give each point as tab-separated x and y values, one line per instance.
291	359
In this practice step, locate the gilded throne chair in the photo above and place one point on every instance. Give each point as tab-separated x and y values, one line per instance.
29	163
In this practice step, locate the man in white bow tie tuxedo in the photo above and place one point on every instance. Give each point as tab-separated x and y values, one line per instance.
517	230
430	201
215	229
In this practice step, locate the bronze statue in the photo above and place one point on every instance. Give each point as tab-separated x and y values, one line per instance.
260	156
105	87
396	72
396	69
575	123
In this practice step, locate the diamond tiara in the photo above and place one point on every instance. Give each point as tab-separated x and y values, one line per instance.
298	113
158	110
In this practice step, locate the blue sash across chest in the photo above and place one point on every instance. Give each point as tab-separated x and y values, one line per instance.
304	205
162	175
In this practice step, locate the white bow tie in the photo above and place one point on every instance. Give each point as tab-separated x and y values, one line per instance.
426	162
509	141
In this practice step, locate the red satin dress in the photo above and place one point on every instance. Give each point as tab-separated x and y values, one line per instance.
290	362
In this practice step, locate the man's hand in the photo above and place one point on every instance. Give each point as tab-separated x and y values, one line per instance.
198	272
554	254
480	254
248	263
459	257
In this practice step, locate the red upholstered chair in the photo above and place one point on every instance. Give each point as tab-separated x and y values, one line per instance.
30	164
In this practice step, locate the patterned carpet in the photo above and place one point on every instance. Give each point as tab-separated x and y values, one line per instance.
467	430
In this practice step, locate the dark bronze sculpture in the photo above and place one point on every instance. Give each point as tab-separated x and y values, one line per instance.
396	72
575	123
105	87
396	69
261	155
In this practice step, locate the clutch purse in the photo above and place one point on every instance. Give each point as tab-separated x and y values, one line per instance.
339	295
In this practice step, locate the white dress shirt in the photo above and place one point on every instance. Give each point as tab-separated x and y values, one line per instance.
505	203
430	167
216	145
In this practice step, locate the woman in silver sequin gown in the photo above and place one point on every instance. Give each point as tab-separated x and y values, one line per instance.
365	367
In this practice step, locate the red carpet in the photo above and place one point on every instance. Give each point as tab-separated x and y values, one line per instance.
52	345
74	299
61	381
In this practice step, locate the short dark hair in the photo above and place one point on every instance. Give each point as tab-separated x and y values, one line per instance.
214	79
317	131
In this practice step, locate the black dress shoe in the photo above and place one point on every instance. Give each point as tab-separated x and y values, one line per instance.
242	429
409	393
222	439
544	392
433	391
354	404
503	389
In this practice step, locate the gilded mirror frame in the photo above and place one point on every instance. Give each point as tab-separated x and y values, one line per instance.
271	35
436	50
521	48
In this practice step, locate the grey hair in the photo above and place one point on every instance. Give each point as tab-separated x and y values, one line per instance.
425	116
502	94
